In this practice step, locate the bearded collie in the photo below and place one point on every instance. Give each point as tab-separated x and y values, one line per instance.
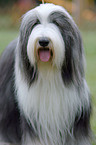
44	97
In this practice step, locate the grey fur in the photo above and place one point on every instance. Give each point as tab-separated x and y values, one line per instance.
14	126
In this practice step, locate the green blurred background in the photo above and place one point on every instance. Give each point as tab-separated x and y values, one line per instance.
84	14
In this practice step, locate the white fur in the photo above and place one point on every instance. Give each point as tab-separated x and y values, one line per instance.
47	30
51	104
44	10
55	104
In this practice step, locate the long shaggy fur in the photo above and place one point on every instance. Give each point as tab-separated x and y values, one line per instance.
45	103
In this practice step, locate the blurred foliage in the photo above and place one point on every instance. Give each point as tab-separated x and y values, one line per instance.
7	2
16	8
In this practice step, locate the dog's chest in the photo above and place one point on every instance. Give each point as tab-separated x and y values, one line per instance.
45	94
49	106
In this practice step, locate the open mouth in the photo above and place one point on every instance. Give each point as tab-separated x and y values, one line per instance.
45	54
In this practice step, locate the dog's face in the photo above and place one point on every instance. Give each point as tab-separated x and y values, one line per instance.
45	42
49	36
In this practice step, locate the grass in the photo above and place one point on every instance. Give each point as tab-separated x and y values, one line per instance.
5	37
89	39
90	53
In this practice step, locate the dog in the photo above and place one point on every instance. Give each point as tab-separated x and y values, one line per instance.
44	97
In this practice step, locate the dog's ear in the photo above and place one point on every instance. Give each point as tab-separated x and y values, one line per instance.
72	68
26	28
73	65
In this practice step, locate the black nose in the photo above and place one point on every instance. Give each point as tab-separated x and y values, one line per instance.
44	42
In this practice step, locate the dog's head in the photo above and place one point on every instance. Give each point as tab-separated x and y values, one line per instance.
49	36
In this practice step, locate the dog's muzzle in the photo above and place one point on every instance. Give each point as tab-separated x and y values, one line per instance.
44	49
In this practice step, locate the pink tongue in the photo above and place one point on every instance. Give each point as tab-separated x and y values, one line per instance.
44	55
